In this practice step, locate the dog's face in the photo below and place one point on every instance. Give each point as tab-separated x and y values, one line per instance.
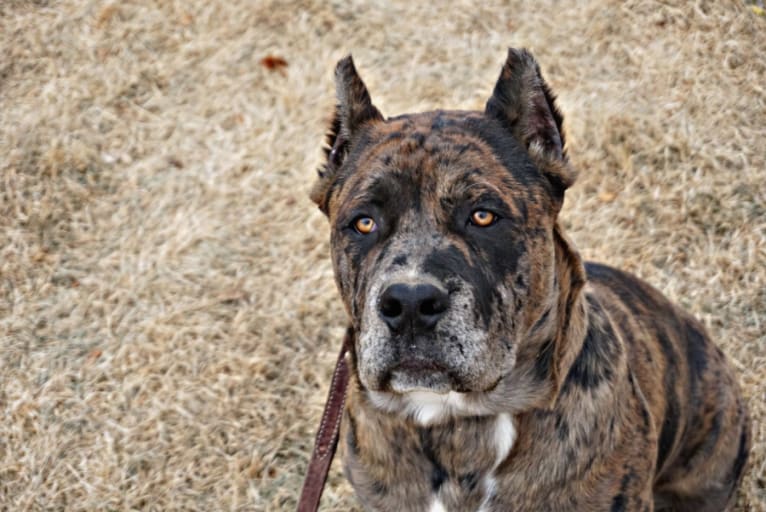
433	239
444	243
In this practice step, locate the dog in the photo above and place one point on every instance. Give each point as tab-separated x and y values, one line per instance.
492	369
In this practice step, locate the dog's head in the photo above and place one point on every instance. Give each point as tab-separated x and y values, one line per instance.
446	248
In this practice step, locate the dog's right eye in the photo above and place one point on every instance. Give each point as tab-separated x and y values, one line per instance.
365	225
483	218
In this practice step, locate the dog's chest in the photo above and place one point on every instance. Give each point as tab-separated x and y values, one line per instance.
481	484
437	468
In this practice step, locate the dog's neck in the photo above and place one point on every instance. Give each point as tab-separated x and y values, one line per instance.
452	460
572	310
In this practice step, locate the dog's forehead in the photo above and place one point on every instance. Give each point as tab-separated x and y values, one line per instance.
439	154
429	141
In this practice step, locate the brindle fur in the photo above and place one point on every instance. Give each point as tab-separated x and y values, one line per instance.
618	399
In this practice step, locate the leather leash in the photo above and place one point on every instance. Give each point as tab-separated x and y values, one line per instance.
327	437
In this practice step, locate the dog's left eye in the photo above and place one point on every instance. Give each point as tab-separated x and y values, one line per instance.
483	218
365	225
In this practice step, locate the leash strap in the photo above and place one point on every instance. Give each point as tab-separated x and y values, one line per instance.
327	437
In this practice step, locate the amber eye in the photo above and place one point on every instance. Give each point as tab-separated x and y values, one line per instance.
365	225
482	218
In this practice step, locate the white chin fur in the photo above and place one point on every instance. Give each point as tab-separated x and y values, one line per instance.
427	407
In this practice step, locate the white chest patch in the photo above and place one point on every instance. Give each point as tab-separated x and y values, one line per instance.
437	506
489	491
505	436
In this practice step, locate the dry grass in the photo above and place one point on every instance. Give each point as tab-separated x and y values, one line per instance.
168	318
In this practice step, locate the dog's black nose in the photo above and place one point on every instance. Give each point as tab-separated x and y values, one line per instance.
416	307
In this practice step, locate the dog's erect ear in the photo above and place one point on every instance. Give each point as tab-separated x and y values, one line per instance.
354	109
524	103
354	104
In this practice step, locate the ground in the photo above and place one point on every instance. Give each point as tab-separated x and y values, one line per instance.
168	316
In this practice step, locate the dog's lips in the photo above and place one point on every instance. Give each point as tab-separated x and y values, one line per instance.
405	382
419	375
419	365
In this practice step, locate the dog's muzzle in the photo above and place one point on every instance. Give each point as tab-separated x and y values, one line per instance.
411	312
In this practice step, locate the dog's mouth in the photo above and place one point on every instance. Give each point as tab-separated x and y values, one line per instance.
419	375
416	374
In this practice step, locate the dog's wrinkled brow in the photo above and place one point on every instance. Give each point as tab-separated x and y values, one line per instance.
378	192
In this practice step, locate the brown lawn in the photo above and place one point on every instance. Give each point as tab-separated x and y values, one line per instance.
168	316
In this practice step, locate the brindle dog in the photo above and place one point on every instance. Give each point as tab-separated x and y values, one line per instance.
492	369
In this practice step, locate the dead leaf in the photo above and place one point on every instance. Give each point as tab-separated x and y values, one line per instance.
606	196
106	15
273	63
93	355
187	19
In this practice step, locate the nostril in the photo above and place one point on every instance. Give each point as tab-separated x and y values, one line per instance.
430	307
390	307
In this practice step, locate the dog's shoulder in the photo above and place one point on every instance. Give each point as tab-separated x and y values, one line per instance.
691	390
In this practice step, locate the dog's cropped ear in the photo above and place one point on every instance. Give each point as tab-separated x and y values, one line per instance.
353	110
524	103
